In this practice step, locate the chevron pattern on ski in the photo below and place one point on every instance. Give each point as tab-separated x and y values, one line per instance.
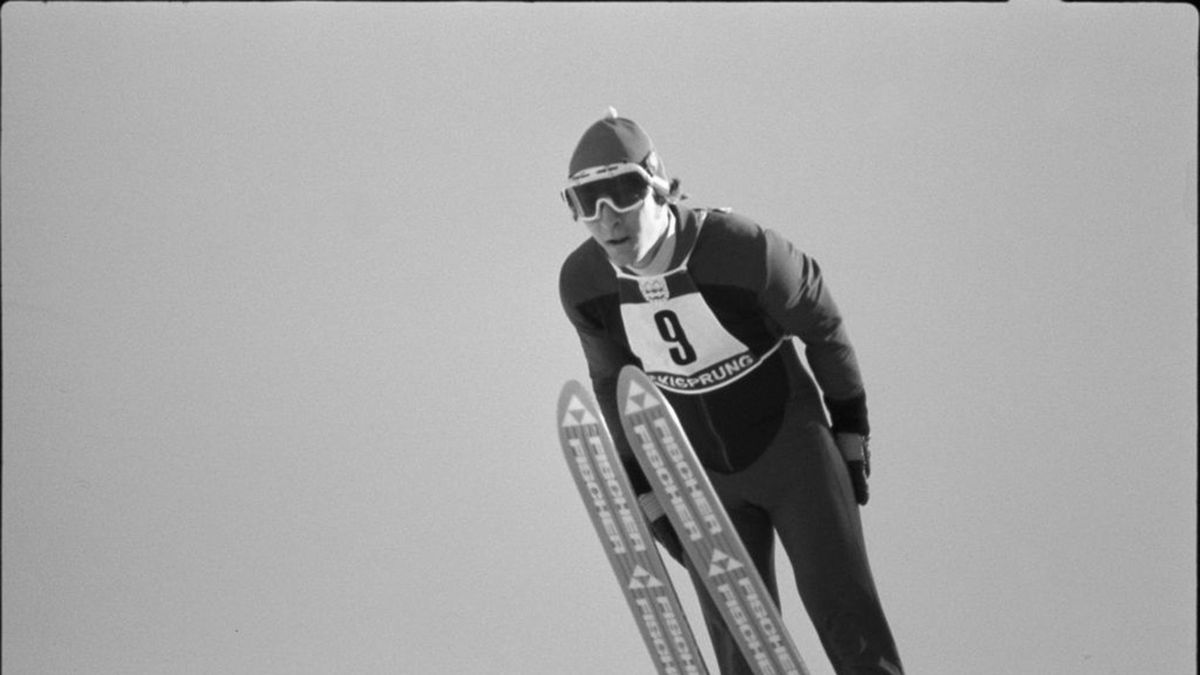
708	537
627	541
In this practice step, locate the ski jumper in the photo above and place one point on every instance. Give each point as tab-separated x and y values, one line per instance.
715	332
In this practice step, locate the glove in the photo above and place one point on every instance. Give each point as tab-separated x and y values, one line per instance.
660	525
855	451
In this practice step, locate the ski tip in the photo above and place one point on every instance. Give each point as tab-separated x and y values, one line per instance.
572	389
576	406
627	376
630	371
636	390
571	385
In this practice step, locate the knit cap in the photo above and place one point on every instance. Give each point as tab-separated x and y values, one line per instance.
615	140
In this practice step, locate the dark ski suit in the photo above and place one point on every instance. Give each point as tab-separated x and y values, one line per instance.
716	334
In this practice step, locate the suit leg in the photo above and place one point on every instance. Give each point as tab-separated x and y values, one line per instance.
820	527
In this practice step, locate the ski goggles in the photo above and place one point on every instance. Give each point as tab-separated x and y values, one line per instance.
622	186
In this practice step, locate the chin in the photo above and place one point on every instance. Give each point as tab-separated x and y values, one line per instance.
623	257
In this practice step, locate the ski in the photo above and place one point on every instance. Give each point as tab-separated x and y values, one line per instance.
708	537
627	540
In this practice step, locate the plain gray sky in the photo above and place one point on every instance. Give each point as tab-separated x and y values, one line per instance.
282	342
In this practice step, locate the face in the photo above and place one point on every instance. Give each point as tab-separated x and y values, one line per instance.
629	238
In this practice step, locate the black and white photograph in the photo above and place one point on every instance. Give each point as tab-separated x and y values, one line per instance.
540	338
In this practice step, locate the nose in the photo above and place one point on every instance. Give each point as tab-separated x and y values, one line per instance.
606	217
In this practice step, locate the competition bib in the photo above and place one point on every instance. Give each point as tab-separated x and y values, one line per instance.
681	343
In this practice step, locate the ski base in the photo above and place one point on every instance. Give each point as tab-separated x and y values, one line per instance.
709	539
627	540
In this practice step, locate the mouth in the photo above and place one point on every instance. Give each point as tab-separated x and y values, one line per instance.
618	241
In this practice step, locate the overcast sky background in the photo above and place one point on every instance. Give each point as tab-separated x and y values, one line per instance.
282	342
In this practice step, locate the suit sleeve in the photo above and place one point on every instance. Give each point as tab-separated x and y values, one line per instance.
795	295
605	358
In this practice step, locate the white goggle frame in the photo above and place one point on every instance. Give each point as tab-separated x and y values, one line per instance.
607	171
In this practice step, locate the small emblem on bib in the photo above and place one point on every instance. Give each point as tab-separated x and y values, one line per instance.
654	289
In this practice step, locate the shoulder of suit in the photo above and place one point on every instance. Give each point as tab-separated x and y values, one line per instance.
586	272
729	227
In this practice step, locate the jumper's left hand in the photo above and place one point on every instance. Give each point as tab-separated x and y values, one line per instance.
858	461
